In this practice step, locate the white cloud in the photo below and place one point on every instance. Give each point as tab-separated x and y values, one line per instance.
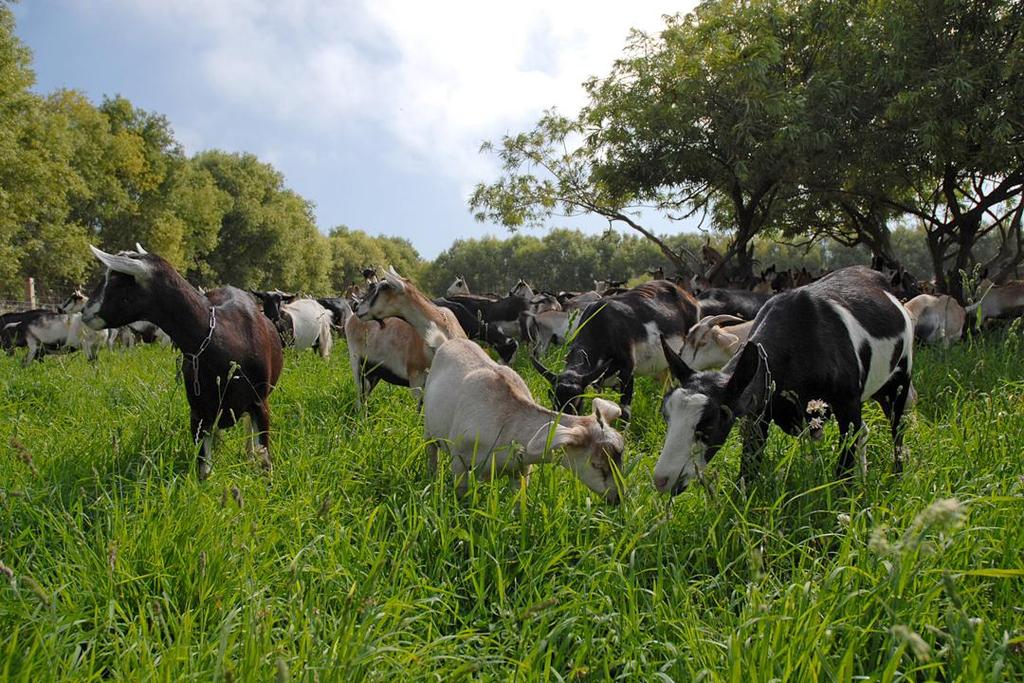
438	77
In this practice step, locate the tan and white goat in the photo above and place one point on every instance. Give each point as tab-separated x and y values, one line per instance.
396	297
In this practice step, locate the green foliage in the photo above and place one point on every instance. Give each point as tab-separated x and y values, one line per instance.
802	119
350	563
352	251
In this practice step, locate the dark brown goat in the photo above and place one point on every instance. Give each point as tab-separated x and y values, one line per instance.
231	351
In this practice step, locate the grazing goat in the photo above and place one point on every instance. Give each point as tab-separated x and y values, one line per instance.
476	327
41	332
999	301
819	349
482	413
739	302
709	345
231	351
937	318
340	311
548	327
619	335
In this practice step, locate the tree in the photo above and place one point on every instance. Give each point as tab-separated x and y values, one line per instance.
958	118
267	236
549	172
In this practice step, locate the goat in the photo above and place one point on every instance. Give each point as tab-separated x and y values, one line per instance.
231	352
547	327
709	345
149	333
458	286
937	318
823	348
999	301
303	322
577	301
618	335
739	302
476	327
41	332
79	335
523	290
390	350
340	311
483	414
396	297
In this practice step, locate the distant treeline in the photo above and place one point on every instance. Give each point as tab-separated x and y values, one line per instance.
571	260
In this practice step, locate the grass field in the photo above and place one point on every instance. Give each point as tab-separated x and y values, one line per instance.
349	563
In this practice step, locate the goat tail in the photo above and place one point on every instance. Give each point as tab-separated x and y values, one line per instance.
325	338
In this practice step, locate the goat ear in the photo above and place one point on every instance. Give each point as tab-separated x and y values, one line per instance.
606	412
680	370
140	270
726	340
747	389
138	248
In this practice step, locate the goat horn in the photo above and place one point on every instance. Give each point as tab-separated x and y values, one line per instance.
597	372
138	248
122	264
711	320
544	372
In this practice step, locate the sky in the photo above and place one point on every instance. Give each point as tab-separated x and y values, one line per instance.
372	109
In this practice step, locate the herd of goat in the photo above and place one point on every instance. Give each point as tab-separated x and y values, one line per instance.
817	349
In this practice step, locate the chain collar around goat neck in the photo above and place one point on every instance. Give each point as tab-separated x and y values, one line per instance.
193	358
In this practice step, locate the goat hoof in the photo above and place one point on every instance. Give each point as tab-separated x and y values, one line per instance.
204	471
265	461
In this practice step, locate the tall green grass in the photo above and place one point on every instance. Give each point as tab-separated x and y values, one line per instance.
348	562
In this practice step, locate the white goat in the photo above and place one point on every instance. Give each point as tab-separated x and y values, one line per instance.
311	325
708	345
937	318
482	413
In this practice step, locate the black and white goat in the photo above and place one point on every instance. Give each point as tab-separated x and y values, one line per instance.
471	319
619	335
231	351
459	286
817	350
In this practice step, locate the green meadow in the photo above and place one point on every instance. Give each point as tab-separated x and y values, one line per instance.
349	563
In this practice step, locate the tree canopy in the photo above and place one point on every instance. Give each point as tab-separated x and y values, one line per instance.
795	119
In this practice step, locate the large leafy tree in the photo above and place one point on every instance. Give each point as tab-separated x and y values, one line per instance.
957	120
35	174
267	237
713	113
